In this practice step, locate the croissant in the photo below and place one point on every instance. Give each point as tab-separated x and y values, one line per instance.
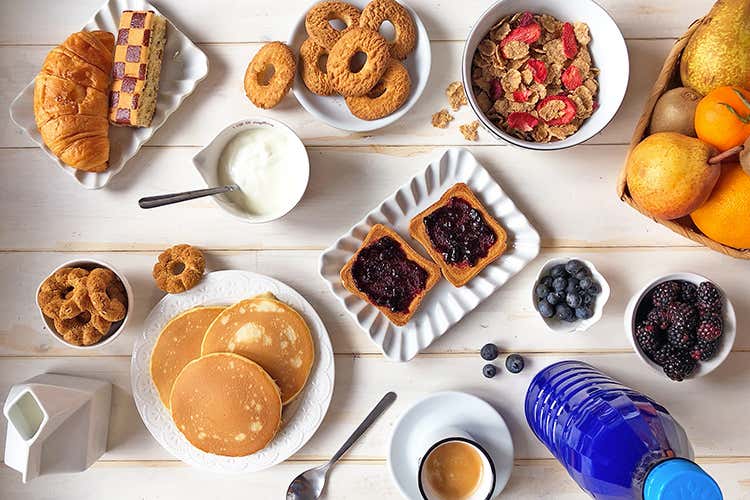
71	100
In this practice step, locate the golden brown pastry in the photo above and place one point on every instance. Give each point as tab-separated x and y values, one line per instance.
71	100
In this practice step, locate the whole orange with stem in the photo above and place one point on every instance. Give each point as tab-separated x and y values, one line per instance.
725	216
722	117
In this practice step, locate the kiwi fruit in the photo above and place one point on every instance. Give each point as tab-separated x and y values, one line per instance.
675	112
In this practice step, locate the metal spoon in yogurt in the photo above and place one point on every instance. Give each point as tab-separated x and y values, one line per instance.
168	199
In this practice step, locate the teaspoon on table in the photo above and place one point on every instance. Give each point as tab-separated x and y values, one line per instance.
309	485
168	199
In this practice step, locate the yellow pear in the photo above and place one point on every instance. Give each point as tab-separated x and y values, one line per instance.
717	53
669	175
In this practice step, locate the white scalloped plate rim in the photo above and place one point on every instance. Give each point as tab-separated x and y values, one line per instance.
445	305
301	417
182	58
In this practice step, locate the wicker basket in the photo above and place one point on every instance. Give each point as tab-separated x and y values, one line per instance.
669	77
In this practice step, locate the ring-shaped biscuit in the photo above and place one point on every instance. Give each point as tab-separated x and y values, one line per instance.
87	328
316	80
319	28
379	11
107	294
347	82
59	294
179	268
387	96
266	92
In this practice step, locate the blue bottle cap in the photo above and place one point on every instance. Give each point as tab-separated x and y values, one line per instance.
680	479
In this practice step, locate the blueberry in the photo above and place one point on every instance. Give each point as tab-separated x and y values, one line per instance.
542	290
573	300
584	312
573	266
594	289
514	363
572	285
489	371
546	309
583	273
585	283
552	298
488	352
563	312
587	299
558	271
560	284
547	281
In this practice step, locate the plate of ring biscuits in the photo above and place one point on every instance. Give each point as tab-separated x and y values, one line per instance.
233	374
429	255
361	65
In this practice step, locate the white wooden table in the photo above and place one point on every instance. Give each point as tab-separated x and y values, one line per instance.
569	196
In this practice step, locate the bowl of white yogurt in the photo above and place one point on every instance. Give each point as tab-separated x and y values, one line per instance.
266	159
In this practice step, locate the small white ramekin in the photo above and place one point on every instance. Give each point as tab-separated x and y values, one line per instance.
116	328
580	325
728	317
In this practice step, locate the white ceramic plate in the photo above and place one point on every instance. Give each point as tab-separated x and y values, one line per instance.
608	51
301	417
183	66
333	110
448	410
444	305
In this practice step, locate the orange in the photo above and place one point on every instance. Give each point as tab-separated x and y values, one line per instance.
725	217
722	117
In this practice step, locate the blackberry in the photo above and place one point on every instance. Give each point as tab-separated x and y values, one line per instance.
710	328
666	293
658	318
709	297
679	365
648	338
682	315
663	353
680	337
688	292
704	350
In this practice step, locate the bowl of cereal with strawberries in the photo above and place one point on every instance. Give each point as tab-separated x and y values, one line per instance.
545	75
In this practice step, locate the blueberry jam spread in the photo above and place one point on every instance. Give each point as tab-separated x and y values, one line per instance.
384	273
459	232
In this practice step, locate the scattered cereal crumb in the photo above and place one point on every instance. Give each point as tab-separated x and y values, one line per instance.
469	130
441	119
456	95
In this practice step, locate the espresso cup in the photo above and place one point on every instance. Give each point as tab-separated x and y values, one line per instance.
455	467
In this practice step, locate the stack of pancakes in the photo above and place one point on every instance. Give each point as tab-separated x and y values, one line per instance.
226	373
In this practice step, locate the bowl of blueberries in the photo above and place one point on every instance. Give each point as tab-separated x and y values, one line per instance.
569	294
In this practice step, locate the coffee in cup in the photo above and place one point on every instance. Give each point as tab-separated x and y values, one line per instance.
456	469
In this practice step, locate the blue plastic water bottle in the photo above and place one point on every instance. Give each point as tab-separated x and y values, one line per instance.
616	443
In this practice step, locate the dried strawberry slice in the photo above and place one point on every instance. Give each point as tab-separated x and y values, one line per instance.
522	95
572	78
525	122
526	34
496	89
526	19
538	69
567	114
570	45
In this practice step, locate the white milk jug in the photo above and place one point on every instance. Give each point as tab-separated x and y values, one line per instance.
56	424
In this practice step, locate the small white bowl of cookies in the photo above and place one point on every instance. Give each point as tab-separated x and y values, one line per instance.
85	303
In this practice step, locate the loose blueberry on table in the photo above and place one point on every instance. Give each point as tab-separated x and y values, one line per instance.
383	272
489	370
514	363
679	325
567	293
459	232
489	352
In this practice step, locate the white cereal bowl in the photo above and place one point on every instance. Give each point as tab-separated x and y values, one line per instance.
116	328
332	109
207	164
608	51
581	325
728	317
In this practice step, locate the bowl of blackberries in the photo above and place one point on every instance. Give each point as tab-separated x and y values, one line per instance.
681	325
569	295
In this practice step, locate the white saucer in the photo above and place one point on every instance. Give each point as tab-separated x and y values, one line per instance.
448	409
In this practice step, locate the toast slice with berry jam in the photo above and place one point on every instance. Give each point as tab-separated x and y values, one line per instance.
459	234
386	272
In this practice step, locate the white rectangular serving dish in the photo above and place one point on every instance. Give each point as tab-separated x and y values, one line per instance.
444	305
183	66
